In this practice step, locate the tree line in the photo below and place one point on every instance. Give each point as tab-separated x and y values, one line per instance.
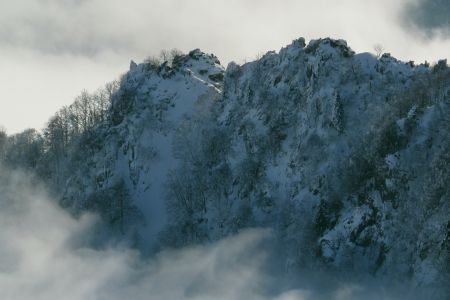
46	150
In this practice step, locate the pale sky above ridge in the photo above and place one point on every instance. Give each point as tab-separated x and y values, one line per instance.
50	50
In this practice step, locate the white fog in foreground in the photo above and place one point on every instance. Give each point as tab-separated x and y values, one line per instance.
43	256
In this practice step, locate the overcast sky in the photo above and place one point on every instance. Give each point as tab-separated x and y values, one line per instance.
52	49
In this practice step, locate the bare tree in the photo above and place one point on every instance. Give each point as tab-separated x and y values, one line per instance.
378	50
164	55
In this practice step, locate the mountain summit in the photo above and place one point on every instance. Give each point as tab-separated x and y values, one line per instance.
344	155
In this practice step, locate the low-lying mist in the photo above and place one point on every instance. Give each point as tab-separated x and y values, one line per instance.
44	255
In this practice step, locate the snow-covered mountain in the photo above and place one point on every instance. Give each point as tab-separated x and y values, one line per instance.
134	155
345	156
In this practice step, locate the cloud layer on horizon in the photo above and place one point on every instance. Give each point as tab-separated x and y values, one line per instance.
52	49
95	27
432	17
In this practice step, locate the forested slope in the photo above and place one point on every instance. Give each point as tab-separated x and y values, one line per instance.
345	156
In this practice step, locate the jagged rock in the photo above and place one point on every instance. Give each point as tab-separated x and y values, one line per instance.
133	65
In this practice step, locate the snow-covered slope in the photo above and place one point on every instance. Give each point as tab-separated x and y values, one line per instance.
133	151
345	156
348	157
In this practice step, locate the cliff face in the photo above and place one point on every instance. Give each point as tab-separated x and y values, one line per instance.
121	167
345	156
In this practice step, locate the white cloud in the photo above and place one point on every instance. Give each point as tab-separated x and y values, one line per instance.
75	44
232	29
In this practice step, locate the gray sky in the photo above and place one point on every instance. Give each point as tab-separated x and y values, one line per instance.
52	49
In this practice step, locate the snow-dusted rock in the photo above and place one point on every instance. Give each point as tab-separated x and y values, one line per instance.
344	155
